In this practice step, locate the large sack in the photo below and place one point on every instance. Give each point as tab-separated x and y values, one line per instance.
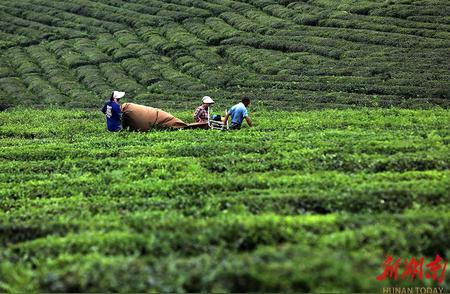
142	118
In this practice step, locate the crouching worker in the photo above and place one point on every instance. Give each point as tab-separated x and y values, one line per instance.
201	113
113	113
238	112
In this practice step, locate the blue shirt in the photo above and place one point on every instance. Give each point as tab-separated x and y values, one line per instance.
238	112
113	115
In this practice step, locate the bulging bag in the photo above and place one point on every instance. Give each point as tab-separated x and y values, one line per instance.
143	118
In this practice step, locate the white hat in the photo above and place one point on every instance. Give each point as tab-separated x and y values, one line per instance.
118	95
207	100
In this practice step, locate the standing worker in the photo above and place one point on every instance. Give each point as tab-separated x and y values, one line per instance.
238	112
113	113
201	113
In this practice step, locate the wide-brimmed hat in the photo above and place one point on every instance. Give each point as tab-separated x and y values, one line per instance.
207	100
118	95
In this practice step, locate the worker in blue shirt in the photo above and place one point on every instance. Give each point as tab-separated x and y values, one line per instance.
113	113
238	112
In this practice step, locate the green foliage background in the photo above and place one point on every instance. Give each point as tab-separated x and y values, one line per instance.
307	201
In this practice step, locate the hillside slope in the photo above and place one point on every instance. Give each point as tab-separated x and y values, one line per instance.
288	54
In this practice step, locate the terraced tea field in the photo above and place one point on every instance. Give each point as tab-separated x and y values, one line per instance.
301	54
308	201
348	161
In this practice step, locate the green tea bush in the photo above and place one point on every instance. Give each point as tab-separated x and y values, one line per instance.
88	49
43	88
203	31
68	54
178	79
63	10
215	8
59	76
119	78
181	37
220	26
127	38
242	23
156	41
21	62
41	31
11	86
138	69
91	76
108	44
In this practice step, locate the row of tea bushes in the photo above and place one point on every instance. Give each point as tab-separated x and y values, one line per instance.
313	54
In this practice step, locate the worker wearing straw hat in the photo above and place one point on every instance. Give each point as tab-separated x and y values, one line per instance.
201	113
112	111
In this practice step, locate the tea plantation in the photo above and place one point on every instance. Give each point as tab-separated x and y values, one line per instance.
306	201
348	162
288	54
